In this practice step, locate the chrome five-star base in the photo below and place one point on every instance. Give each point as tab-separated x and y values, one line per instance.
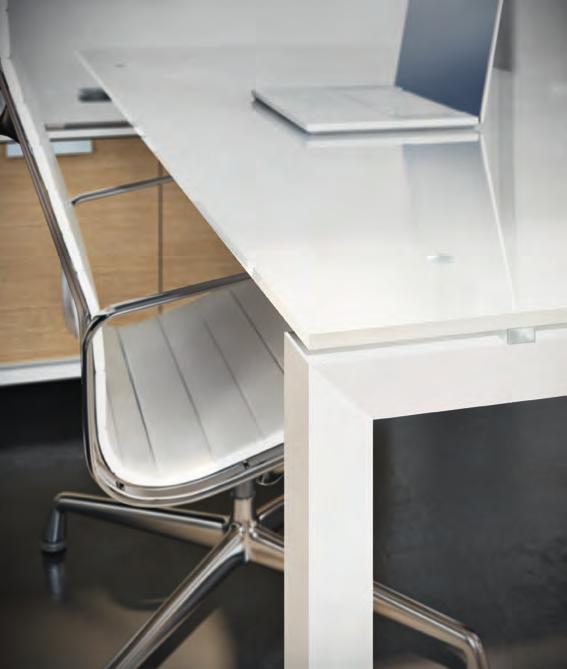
246	536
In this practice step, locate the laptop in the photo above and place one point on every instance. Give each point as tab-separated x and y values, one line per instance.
442	80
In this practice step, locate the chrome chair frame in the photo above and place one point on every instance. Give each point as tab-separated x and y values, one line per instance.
247	535
118	190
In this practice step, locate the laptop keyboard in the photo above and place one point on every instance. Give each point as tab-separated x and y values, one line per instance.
391	102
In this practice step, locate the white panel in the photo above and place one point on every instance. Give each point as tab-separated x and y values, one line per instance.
451	374
328	515
4	30
318	22
36	372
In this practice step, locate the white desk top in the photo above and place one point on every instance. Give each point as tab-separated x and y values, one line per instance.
368	239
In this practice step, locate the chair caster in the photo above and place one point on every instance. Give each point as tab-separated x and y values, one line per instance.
54	570
53	541
53	548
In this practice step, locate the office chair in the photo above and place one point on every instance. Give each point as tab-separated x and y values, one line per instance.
177	408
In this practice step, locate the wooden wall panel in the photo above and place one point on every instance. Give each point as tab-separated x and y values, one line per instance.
31	321
29	335
192	252
120	234
124	236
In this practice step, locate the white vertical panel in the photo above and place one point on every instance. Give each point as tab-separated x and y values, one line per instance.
4	30
435	376
319	22
328	493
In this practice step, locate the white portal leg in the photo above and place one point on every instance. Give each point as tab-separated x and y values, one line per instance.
331	400
328	521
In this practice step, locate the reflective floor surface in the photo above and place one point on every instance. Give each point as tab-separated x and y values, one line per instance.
470	517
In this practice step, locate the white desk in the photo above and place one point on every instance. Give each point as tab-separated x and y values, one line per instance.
402	265
47	36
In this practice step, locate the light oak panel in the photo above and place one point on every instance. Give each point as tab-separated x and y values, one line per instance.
192	252
26	239
122	236
16	205
31	320
29	282
28	335
121	232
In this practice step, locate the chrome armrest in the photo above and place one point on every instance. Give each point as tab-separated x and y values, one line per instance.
69	309
119	190
143	303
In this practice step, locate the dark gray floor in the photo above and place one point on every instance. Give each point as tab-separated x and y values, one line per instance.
470	517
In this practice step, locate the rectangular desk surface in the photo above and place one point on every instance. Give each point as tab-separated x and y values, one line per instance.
363	239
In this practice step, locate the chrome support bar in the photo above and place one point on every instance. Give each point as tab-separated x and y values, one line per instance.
271	515
119	190
203	529
266	548
227	555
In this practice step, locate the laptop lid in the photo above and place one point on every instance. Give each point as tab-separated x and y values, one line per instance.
447	51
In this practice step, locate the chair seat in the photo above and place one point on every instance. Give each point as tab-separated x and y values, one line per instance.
192	391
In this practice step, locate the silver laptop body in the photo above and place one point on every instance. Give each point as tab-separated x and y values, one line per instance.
442	81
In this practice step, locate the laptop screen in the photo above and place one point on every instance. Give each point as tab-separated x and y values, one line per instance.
446	51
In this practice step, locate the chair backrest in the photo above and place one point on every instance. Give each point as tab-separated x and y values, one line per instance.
50	186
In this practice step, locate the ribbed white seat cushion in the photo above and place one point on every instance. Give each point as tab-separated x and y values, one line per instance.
192	391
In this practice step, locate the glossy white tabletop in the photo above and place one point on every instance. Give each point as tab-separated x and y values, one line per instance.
364	239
